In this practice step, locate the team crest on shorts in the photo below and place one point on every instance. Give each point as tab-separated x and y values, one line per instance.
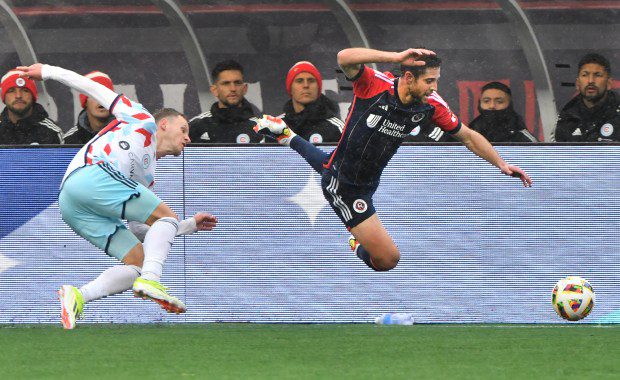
360	206
21	82
607	130
123	144
418	117
316	138
243	138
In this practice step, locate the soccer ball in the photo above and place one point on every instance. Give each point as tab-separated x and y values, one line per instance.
573	298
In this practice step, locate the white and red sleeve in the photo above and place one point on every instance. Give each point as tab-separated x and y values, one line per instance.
443	117
369	82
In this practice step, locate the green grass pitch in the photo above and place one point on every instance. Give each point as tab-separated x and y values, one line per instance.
327	351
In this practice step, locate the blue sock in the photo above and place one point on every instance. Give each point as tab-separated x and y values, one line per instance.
310	153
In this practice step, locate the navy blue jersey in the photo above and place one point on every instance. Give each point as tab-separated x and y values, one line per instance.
377	124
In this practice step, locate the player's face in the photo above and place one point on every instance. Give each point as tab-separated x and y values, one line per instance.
424	85
494	99
593	82
176	134
19	100
229	88
304	89
96	110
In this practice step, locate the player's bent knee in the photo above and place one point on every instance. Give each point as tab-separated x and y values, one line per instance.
162	211
135	256
387	261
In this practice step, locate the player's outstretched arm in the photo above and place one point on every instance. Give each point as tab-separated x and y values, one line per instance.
100	93
351	59
480	146
202	221
205	221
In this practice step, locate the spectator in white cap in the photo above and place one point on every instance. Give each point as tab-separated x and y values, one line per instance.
23	120
309	113
94	117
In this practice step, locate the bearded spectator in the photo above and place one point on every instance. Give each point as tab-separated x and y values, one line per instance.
23	120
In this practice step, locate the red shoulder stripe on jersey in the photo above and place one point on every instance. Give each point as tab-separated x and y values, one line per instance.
344	129
126	101
107	149
439	99
371	83
443	117
383	76
112	126
147	136
141	116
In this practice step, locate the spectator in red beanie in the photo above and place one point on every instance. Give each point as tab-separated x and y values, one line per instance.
309	113
23	120
93	117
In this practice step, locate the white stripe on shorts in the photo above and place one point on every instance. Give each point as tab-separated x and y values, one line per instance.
344	210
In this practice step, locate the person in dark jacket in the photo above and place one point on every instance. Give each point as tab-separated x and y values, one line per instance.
594	114
232	118
309	113
94	117
23	120
498	121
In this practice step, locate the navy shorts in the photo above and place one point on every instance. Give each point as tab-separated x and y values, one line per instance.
352	204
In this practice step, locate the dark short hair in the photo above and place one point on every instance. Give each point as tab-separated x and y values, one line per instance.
166	112
497	86
432	61
225	65
594	58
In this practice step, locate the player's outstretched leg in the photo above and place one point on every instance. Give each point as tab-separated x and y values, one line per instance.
157	243
373	245
72	305
150	289
277	129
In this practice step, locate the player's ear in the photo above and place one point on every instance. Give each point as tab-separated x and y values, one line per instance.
409	77
163	123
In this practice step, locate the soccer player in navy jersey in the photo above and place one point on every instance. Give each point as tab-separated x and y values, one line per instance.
384	111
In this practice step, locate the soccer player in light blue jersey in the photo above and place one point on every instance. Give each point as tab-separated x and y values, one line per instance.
110	180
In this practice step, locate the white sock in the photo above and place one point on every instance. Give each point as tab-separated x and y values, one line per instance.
113	280
157	243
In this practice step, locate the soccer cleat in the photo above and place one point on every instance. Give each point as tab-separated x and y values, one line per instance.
353	243
275	128
72	305
155	291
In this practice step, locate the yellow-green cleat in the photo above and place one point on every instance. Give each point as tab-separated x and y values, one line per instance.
155	291
72	304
